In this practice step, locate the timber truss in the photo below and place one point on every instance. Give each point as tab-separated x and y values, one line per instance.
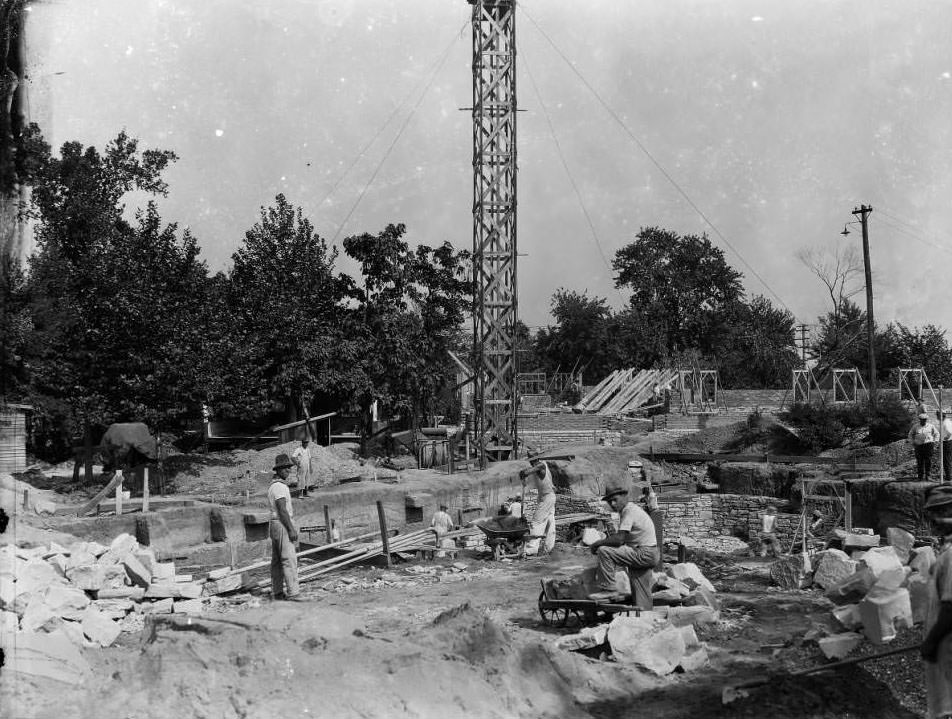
494	226
913	384
846	385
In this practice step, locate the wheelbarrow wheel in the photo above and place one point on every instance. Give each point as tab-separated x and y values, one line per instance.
553	617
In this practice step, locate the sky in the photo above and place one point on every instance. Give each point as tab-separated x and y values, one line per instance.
761	123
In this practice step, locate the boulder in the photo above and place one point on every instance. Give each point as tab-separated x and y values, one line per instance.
89	577
832	567
854	587
901	541
146	558
47	656
690	574
44	506
65	600
838	646
882	559
80	558
892	578
59	562
919	596
848	616
860	541
136	571
648	642
881	611
790	573
37	617
590	535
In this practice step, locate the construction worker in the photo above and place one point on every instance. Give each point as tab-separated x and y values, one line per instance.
923	437
283	533
768	532
442	524
936	648
543	519
301	457
633	546
945	432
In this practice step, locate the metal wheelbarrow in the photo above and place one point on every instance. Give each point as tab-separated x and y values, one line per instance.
506	536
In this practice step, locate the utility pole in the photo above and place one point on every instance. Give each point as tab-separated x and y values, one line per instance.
863	213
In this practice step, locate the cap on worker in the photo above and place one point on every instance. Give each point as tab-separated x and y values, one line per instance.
923	415
613	487
281	461
938	497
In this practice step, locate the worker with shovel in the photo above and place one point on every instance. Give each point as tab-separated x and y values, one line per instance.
543	519
936	648
283	533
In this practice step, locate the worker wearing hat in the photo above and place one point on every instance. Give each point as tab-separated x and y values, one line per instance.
633	547
922	437
936	648
283	533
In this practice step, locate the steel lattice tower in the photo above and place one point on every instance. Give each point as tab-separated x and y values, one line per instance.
494	226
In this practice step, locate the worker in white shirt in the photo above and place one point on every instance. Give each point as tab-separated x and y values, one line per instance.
945	431
923	437
768	533
301	457
543	519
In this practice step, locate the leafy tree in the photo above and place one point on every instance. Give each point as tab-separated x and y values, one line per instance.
924	348
410	309
16	327
579	337
683	290
841	342
758	350
287	346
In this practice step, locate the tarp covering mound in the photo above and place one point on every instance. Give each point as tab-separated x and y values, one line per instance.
899	504
127	444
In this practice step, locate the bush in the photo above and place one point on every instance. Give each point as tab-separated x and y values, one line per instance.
890	421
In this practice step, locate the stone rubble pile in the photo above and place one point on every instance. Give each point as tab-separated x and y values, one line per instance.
877	588
90	593
663	639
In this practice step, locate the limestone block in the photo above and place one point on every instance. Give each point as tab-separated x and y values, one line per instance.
47	656
163	606
115	576
74	631
146	558
881	559
55	549
137	573
59	562
133	593
854	586
880	611
94	548
193	590
37	616
690	574
666	596
696	615
61	600
650	643
901	541
220	573
36	574
188	606
113	608
90	577
694	659
921	559
702	597
123	544
588	638
918	586
80	558
838	646
892	578
99	628
44	506
162	590
163	572
183	578
848	616
832	567
860	541
233	583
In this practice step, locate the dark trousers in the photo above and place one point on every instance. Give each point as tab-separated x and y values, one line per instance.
924	460
947	460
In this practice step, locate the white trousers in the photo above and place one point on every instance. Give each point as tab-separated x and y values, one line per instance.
543	525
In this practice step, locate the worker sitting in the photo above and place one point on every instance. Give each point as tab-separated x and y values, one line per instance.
633	548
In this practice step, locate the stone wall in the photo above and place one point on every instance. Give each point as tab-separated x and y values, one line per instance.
709	516
541	441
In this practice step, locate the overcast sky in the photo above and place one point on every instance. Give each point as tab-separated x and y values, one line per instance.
761	123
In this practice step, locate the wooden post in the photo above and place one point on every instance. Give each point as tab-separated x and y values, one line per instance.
88	455
119	497
848	506
94	502
383	533
145	488
327	524
26	499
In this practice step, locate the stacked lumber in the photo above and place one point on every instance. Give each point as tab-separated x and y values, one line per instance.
624	391
92	593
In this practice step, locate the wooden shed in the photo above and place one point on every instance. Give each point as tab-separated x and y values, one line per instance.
13	437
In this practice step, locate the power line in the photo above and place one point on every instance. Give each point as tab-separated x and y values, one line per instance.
652	159
565	165
910	234
439	66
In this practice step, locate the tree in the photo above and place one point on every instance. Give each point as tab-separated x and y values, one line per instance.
579	337
840	270
924	348
410	308
683	290
841	342
759	349
287	342
16	327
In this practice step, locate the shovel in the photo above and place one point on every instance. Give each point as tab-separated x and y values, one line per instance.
738	691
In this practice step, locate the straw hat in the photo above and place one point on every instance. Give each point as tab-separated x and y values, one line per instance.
612	488
281	461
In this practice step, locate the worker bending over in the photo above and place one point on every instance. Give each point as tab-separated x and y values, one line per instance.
543	519
633	546
936	648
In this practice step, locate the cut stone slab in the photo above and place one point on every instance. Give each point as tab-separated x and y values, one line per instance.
35	576
163	590
99	628
80	558
163	606
133	593
47	656
921	559
691	575
221	573
901	541
136	571
146	558
838	646
37	617
861	541
163	572
188	606
696	615
62	599
882	559
116	576
848	616
183	578
647	642
881	611
832	567
190	590
222	586
89	577
44	506
113	608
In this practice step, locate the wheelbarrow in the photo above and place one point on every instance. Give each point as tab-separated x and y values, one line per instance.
506	536
557	611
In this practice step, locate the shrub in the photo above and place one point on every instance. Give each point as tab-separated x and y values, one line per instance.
890	421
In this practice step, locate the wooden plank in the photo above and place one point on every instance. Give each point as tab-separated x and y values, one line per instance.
644	379
588	400
609	390
382	516
145	489
634	402
763	458
94	502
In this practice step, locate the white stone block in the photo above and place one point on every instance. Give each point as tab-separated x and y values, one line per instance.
163	572
848	616
901	541
921	559
89	577
99	628
832	567
80	558
688	572
881	611
881	559
188	606
650	643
